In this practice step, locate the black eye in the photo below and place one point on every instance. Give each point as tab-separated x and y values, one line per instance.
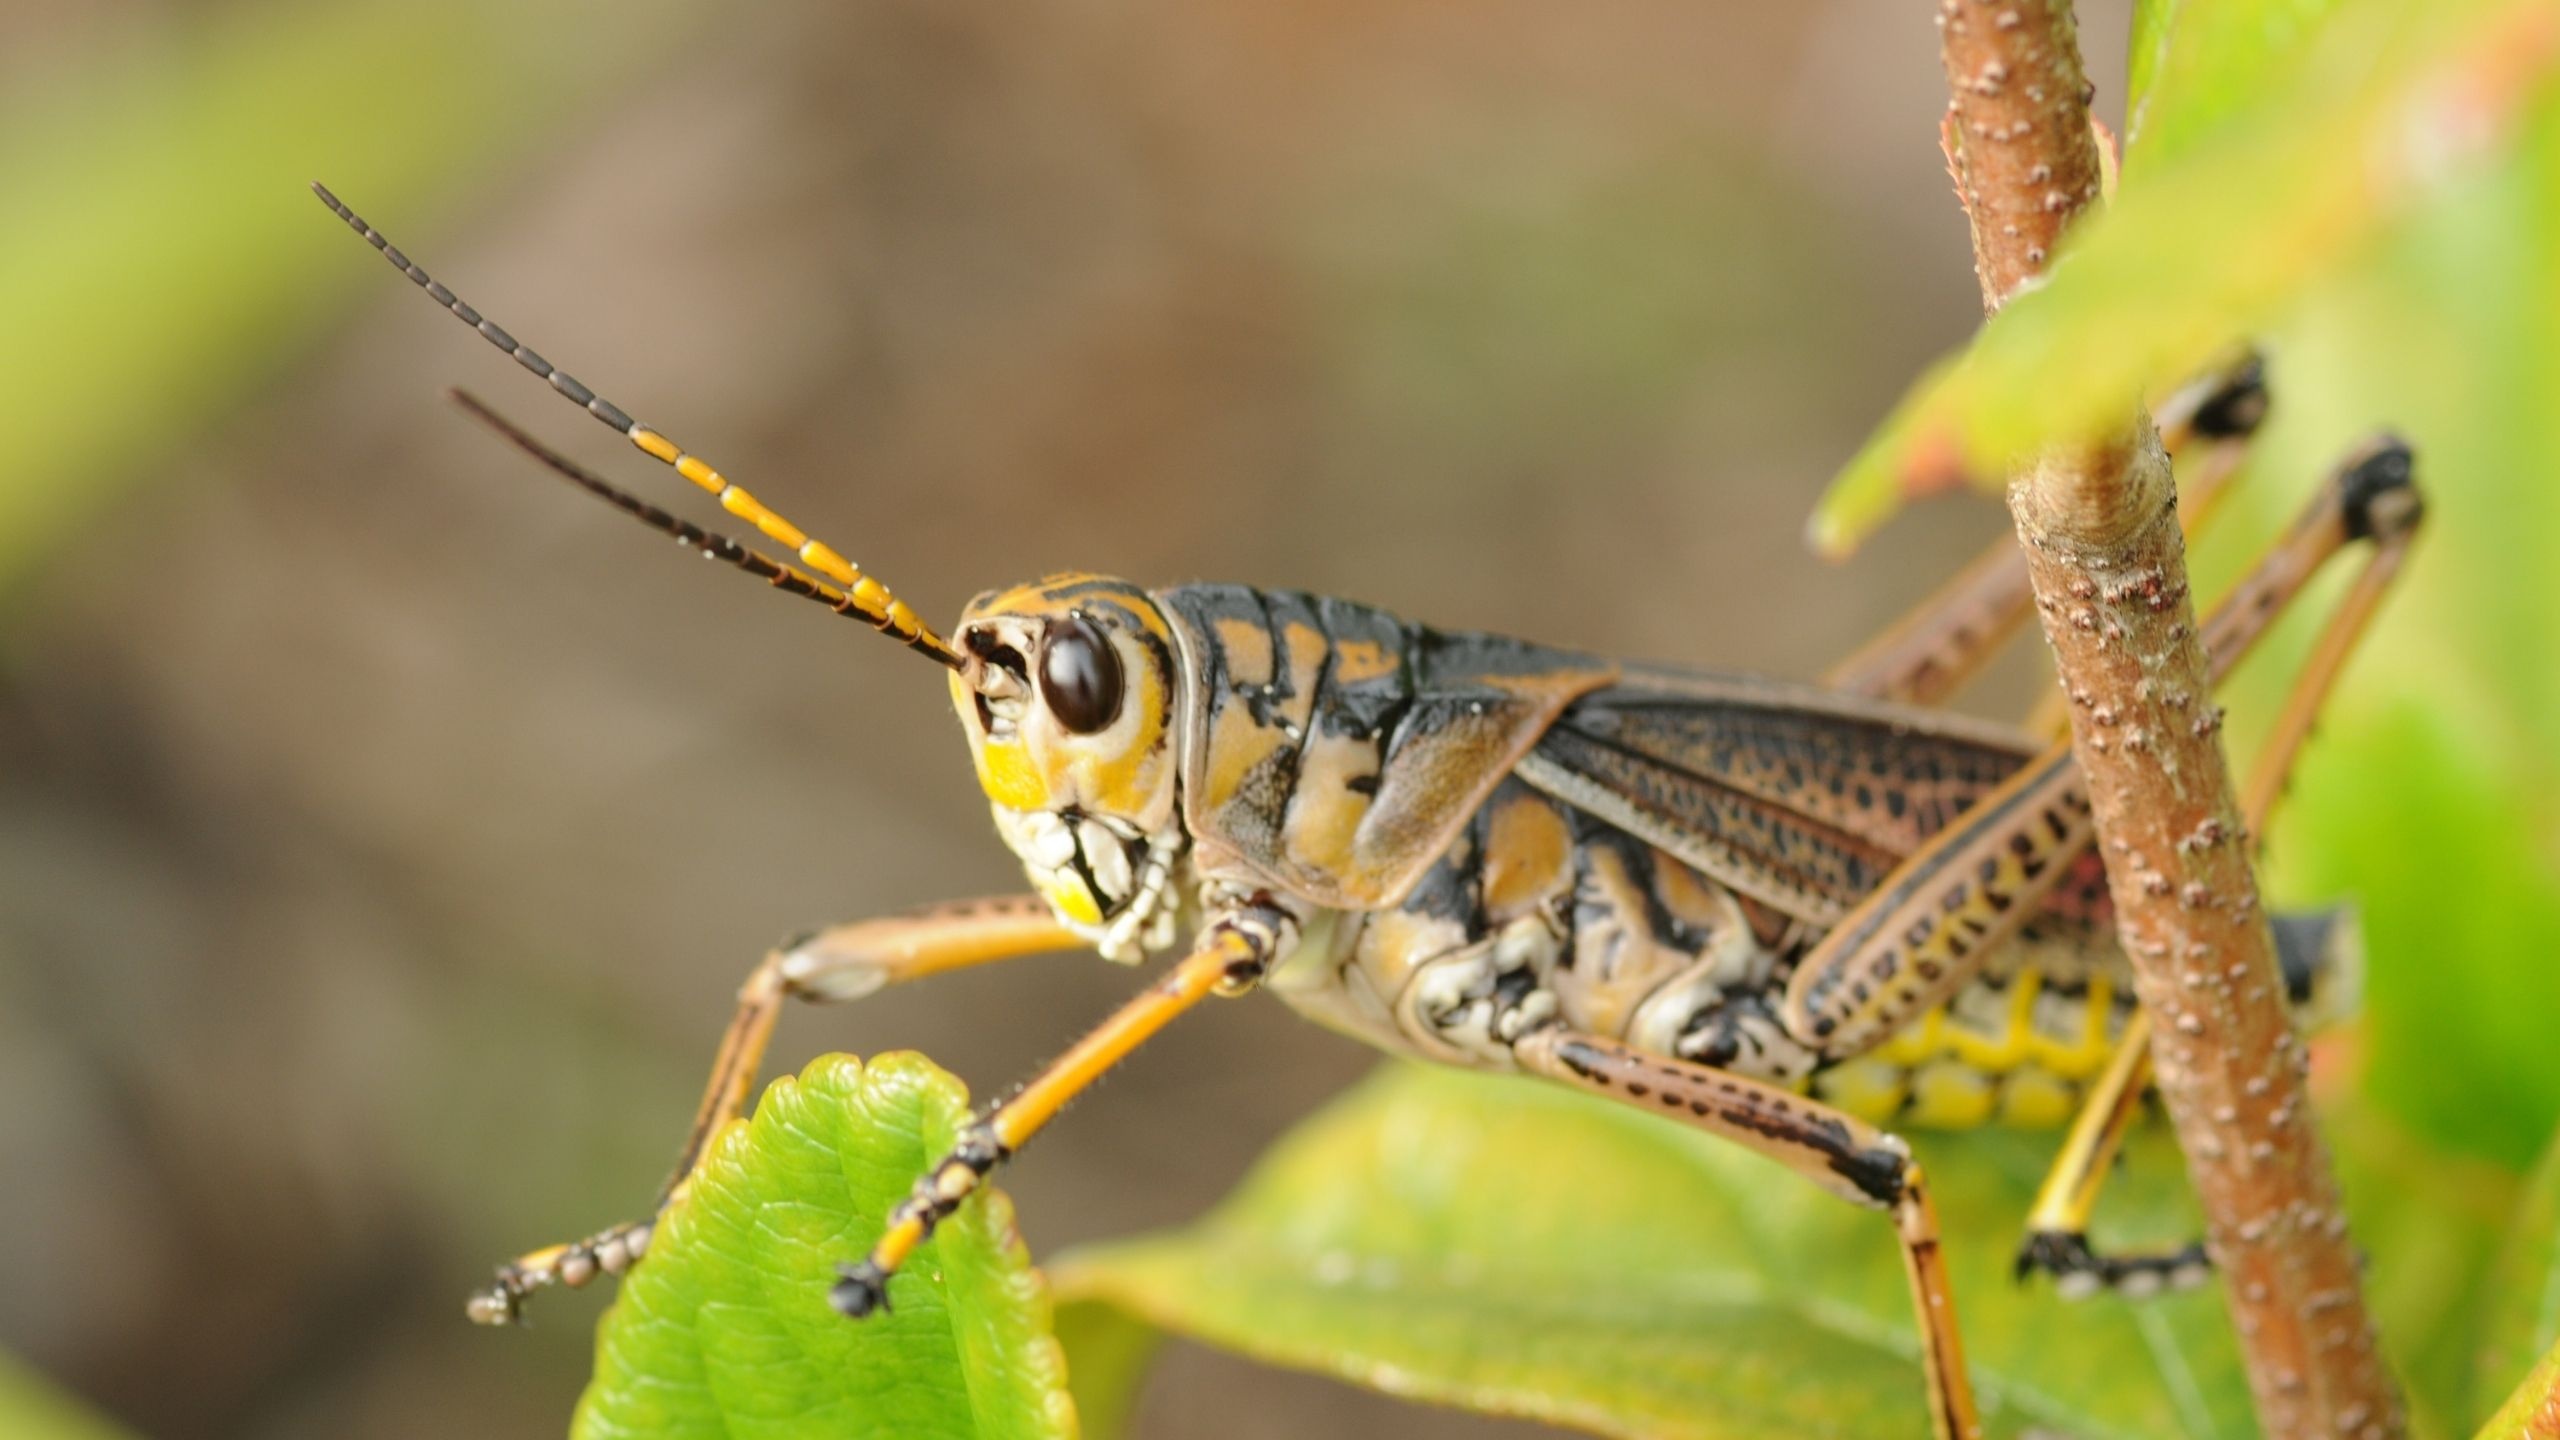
1080	675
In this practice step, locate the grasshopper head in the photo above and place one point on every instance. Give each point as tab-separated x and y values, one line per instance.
1067	691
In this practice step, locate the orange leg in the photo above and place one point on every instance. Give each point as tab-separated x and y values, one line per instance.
845	962
1843	1155
1232	955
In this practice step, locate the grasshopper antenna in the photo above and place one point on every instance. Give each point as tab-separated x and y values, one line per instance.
852	592
713	545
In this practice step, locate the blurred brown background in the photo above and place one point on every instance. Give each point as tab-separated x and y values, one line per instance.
383	827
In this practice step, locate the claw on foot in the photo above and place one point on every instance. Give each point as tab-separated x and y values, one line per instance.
862	1290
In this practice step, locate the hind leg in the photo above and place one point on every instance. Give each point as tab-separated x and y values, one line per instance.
1948	638
2378	503
1843	1155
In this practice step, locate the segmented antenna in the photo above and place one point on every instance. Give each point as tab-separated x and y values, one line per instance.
711	543
859	595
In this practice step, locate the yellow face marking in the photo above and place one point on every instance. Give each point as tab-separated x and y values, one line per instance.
1066	892
1125	770
1006	773
1124	781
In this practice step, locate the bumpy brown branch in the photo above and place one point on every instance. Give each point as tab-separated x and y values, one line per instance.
2100	529
2017	133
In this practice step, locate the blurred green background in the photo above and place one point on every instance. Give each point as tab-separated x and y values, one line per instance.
383	828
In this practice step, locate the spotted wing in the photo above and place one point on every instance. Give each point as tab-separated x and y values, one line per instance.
1797	797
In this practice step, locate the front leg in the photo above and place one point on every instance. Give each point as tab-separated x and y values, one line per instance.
1235	950
843	962
1845	1156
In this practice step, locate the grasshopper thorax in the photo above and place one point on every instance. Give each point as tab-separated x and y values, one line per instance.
1068	690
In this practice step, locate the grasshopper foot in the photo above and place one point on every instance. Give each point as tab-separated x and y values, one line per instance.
2079	1272
863	1290
611	1251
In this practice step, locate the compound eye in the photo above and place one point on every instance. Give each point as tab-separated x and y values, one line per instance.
1080	675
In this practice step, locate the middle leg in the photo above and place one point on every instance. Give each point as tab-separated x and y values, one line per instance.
842	962
1235	950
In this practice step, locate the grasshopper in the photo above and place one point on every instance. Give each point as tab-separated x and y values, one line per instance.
1788	915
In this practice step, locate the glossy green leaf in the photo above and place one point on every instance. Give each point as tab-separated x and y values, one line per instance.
2387	107
1507	1246
726	1330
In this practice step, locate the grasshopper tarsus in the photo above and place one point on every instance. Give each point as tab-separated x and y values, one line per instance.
860	1291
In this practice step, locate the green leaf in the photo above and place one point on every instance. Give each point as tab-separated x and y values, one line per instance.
2521	1318
2193	65
726	1329
2385	109
1108	1352
1507	1246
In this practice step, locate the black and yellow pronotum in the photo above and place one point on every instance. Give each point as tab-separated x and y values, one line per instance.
1783	914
